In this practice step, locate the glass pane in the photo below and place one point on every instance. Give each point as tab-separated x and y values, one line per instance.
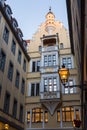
58	116
68	116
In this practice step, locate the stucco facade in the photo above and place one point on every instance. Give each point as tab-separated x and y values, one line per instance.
12	72
49	104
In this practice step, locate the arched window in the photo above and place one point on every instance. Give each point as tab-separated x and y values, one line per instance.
61	45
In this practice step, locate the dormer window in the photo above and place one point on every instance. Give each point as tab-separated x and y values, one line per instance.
14	23
8	11
20	34
25	45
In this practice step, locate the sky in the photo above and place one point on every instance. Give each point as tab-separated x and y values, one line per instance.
31	13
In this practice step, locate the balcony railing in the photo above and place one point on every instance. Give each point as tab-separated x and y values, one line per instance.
50	95
50	48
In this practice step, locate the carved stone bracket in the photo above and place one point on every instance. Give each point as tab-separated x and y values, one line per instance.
51	106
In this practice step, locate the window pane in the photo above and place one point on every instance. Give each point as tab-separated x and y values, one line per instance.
45	60
58	115
38	65
2	61
6	34
33	66
77	115
13	47
37	89
32	89
28	116
46	116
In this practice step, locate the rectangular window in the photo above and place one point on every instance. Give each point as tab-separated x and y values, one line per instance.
35	66
58	115
24	65
23	86
6	34
77	114
21	114
28	117
10	71
19	56
2	61
14	108
67	114
7	102
45	85
50	84
49	60
55	84
67	62
69	88
35	89
17	79
45	60
37	115
54	60
13	47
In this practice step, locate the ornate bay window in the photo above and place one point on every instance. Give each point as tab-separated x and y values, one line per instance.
50	60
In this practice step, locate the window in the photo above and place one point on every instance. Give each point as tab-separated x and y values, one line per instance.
19	56
10	71
77	114
13	47
67	114
50	84
58	115
50	60
67	62
23	86
17	79
35	89
37	115
69	88
14	108
61	46
6	34
2	61
35	66
7	102
24	65
21	113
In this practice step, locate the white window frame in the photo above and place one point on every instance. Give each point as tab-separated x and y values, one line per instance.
66	57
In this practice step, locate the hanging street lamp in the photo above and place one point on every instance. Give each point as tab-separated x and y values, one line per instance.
64	74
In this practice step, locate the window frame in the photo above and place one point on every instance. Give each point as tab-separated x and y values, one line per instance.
35	89
13	47
2	60
6	34
50	60
10	71
37	113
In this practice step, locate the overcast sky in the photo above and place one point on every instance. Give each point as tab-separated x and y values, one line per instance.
31	13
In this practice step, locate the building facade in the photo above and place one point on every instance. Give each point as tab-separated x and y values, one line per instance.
13	67
49	104
77	17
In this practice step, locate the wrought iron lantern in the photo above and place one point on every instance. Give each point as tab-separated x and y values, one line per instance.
64	74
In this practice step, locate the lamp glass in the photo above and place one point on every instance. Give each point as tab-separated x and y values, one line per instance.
64	74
